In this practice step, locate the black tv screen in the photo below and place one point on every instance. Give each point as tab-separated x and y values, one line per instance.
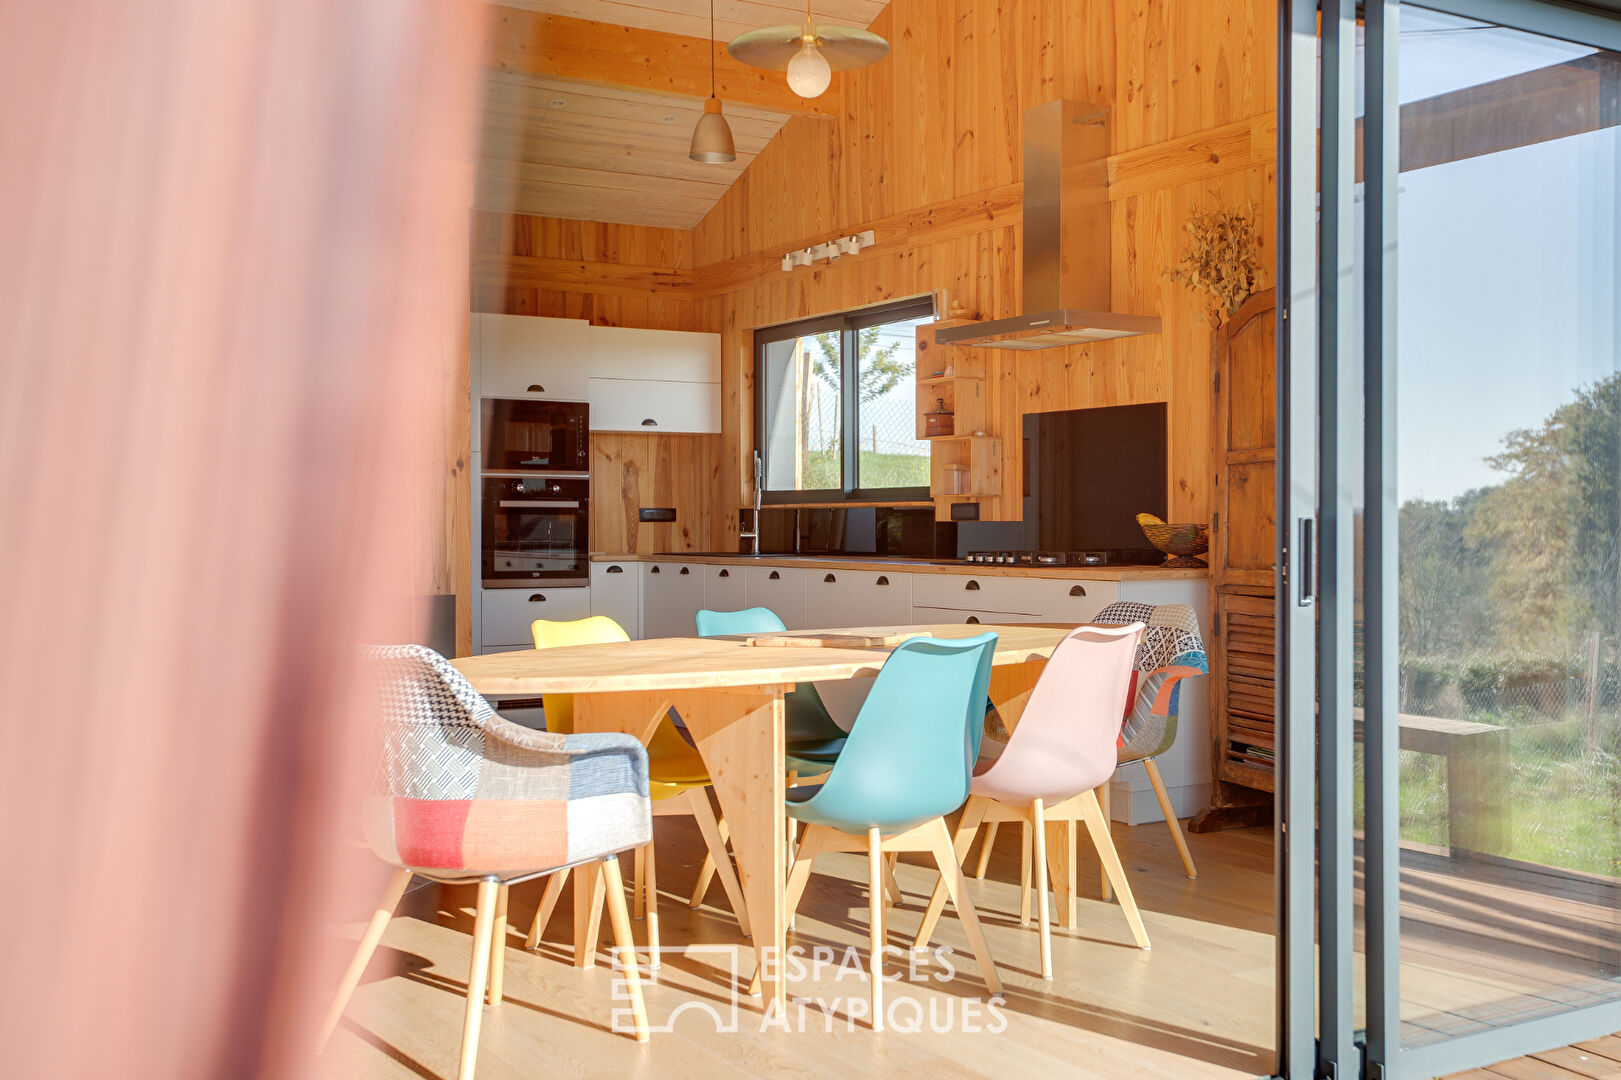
1088	473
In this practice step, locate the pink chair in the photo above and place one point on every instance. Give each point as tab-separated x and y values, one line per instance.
1062	749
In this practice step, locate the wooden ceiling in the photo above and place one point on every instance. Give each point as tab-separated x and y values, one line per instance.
584	118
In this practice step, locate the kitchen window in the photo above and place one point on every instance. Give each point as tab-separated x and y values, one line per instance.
836	412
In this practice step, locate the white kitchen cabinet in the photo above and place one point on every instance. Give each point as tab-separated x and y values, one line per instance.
527	356
616	591
857	598
506	613
783	589
925	615
672	593
724	589
654	407
622	352
1066	599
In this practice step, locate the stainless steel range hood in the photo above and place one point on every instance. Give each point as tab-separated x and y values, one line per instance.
1066	239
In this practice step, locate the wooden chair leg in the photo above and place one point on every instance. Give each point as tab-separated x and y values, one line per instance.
1170	816
498	948
1098	826
1103	872
652	893
1038	822
638	872
951	874
1024	874
892	888
619	918
363	952
985	851
710	828
548	904
588	897
973	814
478	977
876	872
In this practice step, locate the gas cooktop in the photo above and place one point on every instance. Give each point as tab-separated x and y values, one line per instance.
1100	557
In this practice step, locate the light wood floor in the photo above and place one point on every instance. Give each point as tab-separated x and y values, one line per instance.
1599	1059
1200	1004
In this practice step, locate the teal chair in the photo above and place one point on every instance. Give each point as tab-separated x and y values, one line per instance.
813	739
907	762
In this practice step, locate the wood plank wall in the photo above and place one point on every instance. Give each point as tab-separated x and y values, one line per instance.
927	152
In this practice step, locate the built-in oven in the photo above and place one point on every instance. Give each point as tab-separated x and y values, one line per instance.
535	436
534	529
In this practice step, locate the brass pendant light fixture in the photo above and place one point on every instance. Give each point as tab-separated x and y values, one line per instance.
810	54
712	138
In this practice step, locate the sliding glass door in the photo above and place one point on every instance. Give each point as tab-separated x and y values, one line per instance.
1460	497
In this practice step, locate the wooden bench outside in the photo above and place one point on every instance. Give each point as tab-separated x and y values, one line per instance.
1477	757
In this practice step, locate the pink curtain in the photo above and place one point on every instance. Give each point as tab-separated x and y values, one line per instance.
232	307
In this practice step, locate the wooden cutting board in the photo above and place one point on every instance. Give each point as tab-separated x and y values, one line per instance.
835	641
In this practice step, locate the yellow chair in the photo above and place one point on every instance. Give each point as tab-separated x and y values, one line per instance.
678	783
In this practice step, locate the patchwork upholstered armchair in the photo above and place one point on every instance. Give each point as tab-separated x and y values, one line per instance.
1170	651
459	795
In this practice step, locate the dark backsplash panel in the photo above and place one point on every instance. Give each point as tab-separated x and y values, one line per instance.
858	530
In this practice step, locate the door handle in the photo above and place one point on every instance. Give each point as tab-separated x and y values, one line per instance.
655	569
972	586
615	570
830	578
1308	562
535	388
774	576
1077	590
972	619
724	573
536	597
650	422
882	580
684	570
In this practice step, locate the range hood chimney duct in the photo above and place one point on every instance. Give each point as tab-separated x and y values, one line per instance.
1066	244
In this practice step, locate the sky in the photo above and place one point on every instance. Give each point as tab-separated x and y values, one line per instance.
1507	269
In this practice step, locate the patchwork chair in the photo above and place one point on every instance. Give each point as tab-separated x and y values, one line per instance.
907	763
679	779
1170	650
460	796
1061	751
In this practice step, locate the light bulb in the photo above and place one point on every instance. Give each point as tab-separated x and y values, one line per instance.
808	72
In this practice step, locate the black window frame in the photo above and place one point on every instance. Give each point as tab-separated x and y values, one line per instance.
848	324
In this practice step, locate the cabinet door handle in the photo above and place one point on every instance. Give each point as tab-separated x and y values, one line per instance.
536	597
972	586
535	388
684	570
774	576
725	573
655	570
614	570
1077	590
972	619
650	422
830	577
882	580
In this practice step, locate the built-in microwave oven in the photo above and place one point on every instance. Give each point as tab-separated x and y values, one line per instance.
522	435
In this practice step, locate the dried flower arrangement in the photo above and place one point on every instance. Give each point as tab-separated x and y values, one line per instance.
1223	260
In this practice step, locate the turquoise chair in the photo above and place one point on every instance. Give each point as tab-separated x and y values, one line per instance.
907	762
813	739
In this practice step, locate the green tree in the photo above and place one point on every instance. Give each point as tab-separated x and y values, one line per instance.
878	369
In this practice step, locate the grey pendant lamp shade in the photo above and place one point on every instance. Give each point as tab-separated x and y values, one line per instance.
712	138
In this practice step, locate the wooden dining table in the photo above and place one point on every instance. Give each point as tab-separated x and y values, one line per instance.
730	693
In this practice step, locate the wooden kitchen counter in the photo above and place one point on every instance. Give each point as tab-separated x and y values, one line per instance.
916	566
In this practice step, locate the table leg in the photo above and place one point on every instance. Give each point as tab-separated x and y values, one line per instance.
739	733
1010	688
